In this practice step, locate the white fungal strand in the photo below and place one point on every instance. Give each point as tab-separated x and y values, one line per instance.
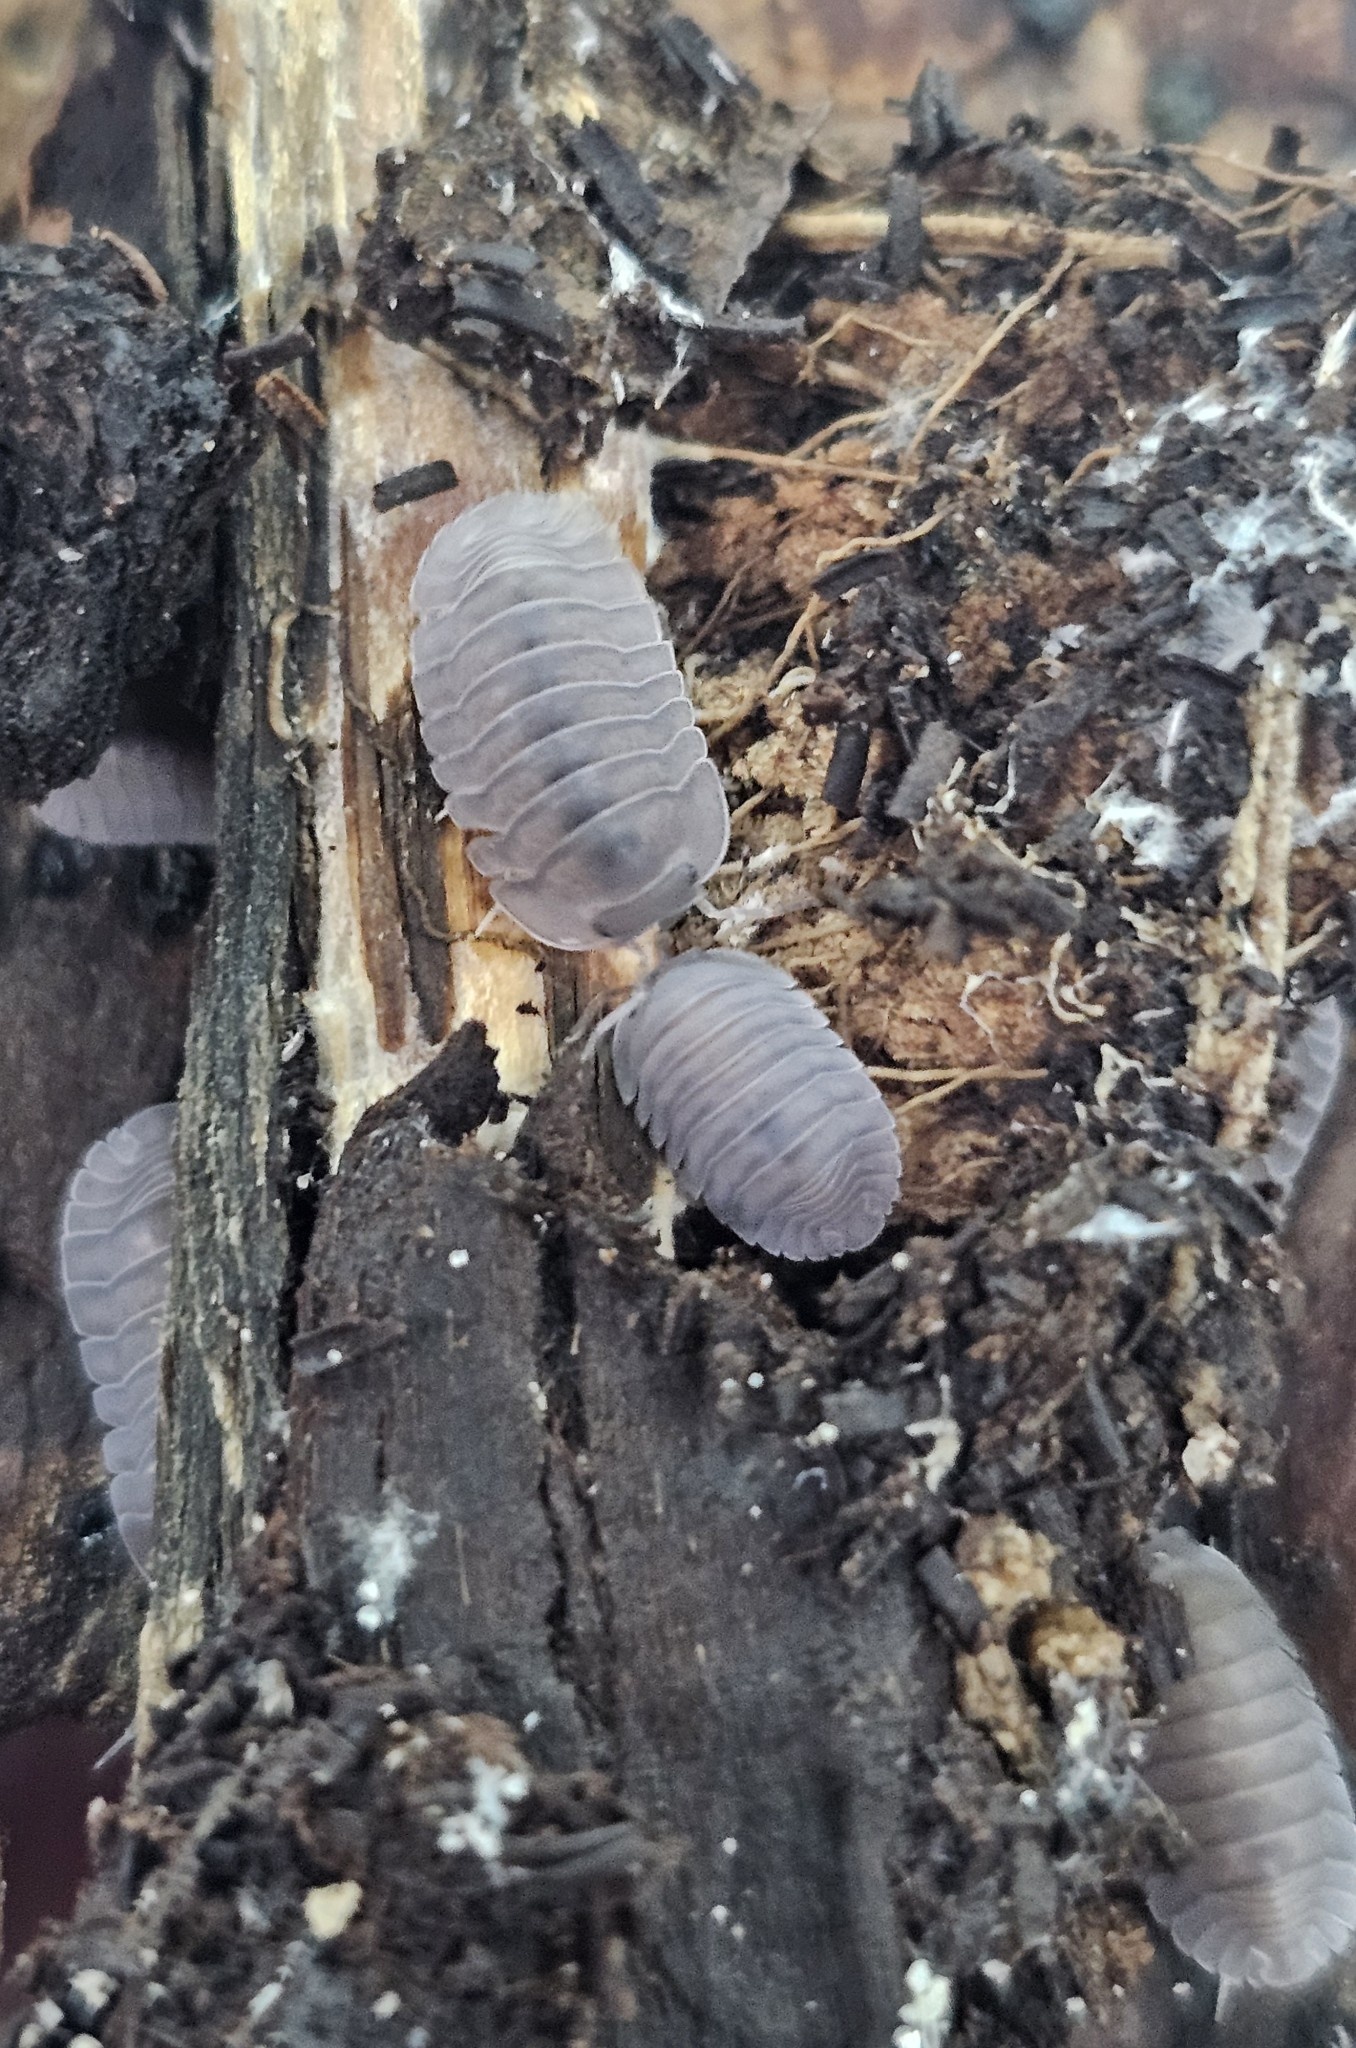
1245	1758
116	1230
143	792
1313	1066
757	1105
558	725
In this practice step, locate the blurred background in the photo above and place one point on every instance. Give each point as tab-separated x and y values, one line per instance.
1221	72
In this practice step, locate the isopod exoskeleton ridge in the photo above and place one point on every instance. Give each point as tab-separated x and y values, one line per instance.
557	724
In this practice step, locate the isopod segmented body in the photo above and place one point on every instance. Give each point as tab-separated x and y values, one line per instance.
759	1108
115	1261
1245	1758
144	792
558	725
1314	1066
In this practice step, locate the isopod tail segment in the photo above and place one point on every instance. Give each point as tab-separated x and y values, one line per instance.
757	1106
1245	1758
114	1259
1313	1067
142	792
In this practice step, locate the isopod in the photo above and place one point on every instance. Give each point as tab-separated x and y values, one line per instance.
115	1262
1314	1066
557	724
143	792
1244	1756
759	1108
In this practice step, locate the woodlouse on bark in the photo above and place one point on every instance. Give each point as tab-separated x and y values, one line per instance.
558	725
759	1108
1314	1066
1245	1758
143	792
116	1229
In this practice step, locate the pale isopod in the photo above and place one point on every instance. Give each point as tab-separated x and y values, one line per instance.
558	725
143	792
1314	1067
1244	1756
115	1261
759	1108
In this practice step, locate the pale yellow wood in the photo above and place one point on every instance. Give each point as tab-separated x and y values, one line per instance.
1233	1046
307	95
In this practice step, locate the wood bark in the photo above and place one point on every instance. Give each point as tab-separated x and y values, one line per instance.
552	1639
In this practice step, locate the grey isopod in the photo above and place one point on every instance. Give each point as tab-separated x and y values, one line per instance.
1245	1758
759	1108
115	1259
143	792
557	723
1314	1066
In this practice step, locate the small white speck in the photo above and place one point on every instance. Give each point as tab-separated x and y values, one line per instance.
755	1513
730	1845
264	1999
721	1915
334	1356
765	1282
459	1258
387	2006
70	556
530	1721
755	1380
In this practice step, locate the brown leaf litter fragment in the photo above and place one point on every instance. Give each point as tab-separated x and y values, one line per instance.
1008	1566
1212	1449
990	1008
1071	1639
1015	593
990	1694
792	759
899	355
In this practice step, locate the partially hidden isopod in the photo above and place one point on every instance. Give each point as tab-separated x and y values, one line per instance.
115	1262
143	792
1313	1065
759	1108
1245	1758
558	725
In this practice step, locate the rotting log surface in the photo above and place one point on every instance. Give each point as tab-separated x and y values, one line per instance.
809	1597
109	508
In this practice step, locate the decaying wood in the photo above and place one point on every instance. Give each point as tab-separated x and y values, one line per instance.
564	1628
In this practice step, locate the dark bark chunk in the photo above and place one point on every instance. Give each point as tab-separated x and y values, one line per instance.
120	450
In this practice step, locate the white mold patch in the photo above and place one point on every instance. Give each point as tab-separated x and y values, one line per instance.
925	2016
386	1550
495	1791
1115	1225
